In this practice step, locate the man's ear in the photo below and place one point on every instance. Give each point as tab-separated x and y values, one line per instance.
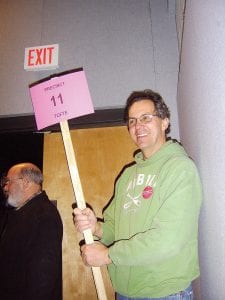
165	124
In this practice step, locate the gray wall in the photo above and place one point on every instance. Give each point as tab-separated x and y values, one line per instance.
123	45
201	108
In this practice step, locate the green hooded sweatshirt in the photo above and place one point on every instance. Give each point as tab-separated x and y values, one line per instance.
151	225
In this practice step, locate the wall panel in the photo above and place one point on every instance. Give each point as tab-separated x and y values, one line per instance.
101	153
201	108
122	46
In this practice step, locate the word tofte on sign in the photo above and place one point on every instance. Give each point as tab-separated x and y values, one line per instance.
41	57
61	98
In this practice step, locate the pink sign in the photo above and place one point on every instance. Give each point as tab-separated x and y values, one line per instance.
61	98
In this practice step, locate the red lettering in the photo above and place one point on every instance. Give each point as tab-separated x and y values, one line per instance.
38	60
44	56
50	54
30	57
40	56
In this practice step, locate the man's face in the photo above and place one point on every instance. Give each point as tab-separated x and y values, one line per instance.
13	188
147	132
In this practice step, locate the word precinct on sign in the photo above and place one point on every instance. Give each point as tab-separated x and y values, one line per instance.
41	57
54	86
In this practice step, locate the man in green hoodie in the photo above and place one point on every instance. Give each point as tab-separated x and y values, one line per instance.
149	237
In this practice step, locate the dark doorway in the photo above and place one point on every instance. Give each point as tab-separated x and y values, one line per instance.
20	147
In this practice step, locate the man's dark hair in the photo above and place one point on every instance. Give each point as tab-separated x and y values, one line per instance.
161	109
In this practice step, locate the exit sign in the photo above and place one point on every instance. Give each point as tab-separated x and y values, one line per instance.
41	57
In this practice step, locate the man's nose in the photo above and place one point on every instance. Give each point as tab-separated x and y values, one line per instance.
138	123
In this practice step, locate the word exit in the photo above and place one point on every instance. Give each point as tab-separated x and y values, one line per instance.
41	57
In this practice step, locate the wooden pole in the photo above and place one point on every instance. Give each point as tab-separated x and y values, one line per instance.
71	159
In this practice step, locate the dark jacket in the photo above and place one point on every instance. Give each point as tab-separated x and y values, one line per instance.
31	252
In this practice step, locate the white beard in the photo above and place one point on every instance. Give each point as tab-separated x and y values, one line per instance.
15	200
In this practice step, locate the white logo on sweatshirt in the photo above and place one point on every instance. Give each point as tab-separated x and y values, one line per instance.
134	200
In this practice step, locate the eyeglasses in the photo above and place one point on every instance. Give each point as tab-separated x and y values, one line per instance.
144	119
5	180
